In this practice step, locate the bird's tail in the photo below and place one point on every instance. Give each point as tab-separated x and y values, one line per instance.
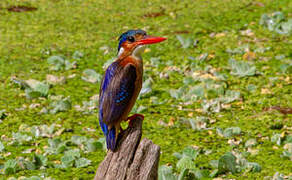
110	135
111	139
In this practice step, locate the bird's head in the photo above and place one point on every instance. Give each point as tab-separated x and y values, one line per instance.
133	43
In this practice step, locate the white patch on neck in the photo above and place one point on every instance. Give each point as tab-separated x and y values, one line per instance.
121	51
138	51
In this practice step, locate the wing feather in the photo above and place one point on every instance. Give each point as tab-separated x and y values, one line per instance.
118	93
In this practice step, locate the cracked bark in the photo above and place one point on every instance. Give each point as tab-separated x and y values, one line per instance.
132	160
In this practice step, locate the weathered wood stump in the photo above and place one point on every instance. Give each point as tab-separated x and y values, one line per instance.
132	160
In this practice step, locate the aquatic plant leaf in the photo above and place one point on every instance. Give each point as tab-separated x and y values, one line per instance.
40	160
77	55
67	161
91	76
10	166
241	68
1	147
73	152
147	87
82	162
251	87
177	155
57	62
250	142
185	42
214	163
165	173
61	105
277	22
230	96
185	162
70	65
21	138
183	174
34	88
199	123
190	152
232	131
103	142
276	138
78	140
3	114
227	163
253	167
56	146
93	145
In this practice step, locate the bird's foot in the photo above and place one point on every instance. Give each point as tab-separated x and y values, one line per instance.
133	117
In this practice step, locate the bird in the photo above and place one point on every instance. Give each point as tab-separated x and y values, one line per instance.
121	84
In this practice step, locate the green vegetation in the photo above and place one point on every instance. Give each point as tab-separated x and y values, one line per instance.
216	95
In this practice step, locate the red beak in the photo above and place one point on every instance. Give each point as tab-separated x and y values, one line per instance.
151	40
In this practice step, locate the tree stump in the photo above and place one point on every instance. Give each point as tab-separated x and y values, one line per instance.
132	160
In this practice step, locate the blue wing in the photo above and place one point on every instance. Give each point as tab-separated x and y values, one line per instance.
116	91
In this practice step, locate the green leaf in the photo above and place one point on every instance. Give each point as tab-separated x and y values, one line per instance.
190	152
250	142
253	167
82	162
77	55
227	163
103	142
147	87
214	163
183	174
2	114
56	146
73	152
10	166
251	87
199	123
276	138
230	96
68	160
177	155
241	68
35	89
185	42
1	147
165	173
61	105
93	145
70	65
232	131
21	138
40	160
78	140
213	173
57	62
185	163
91	76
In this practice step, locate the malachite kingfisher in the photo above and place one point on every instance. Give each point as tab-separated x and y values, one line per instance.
122	83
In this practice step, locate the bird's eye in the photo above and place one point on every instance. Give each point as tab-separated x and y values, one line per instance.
131	39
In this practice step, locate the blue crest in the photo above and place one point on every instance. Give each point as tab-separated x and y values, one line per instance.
125	35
